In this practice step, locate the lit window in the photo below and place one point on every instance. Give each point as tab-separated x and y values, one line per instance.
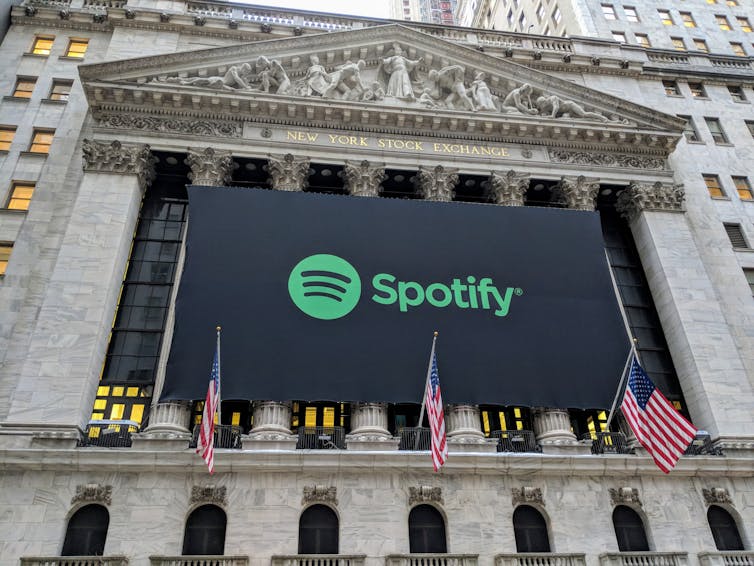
665	16
743	188
701	45
737	93
678	43
697	90
77	48
716	130
42	45
6	137
5	250
20	196
671	88
731	3
722	21
736	236
738	49
689	130
713	186
744	23
619	36
556	15
688	19
41	141
60	90
750	279
609	12
631	14
643	39
24	87
711	1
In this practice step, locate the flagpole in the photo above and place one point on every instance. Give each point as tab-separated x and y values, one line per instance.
219	380
620	387
424	398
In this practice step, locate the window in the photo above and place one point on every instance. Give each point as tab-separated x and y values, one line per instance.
716	130
678	43
743	188
522	22
24	87
540	12
61	89
510	19
5	250
318	531
41	141
711	1
689	130
642	39
609	12
77	48
665	17
731	3
86	532
737	93
631	14
723	527
701	45
713	186
556	15
688	19
750	126
629	530
20	196
738	49
6	137
547	31
697	90
530	530
722	21
42	45
671	88
205	531
619	36
426	531
736	236
749	273
744	24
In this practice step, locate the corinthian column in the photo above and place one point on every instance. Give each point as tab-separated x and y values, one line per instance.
363	179
465	430
579	193
288	173
437	184
369	428
509	189
209	167
272	427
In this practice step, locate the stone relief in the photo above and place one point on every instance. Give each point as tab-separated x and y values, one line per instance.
716	495
658	197
607	159
527	495
93	493
114	157
424	494
217	495
320	494
621	495
197	127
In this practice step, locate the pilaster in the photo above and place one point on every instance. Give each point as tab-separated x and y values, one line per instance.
287	172
362	179
465	430
508	189
369	431
209	167
579	193
437	184
271	429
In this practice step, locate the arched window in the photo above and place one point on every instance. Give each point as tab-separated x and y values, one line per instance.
724	529
86	532
629	530
205	531
530	529
318	531
426	530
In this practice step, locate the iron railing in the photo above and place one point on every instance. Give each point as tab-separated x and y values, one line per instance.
702	446
74	561
415	438
204	560
540	559
108	434
319	560
608	443
226	436
321	438
516	441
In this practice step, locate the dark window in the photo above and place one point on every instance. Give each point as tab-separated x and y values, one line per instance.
671	88
689	130
530	529
724	529
716	130
318	531
697	90
86	532
205	531
736	236
629	530
426	530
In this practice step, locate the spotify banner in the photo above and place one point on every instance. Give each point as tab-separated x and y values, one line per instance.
325	297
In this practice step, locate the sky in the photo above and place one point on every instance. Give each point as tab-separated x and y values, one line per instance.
368	8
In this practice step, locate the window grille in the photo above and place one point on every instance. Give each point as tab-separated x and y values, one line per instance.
736	236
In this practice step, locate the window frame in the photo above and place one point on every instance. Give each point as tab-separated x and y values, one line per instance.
608	12
10	132
700	45
645	37
716	130
737	93
722	22
11	194
713	184
203	535
34	142
57	83
427	530
619	36
24	79
92	546
524	527
632	14
6	250
666	17
70	53
626	529
316	530
678	43
744	23
749	274
731	525
42	51
738	49
671	87
697	90
690	131
688	19
730	228
742	185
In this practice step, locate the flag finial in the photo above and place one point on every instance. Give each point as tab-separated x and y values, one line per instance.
436	333
218	328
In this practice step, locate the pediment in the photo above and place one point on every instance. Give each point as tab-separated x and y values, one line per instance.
386	77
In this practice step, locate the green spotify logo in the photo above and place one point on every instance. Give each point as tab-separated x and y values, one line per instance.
324	286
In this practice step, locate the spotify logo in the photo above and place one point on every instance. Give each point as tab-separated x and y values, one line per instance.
324	286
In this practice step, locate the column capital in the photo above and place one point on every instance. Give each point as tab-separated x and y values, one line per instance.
121	159
640	197
209	166
363	179
437	184
579	193
288	173
509	189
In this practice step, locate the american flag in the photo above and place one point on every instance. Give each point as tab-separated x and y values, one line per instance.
435	414
205	444
658	426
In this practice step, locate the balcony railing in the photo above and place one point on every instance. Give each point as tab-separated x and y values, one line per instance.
74	561
516	441
226	436
608	443
319	560
431	559
644	559
206	560
415	438
727	558
702	446
109	434
540	559
321	438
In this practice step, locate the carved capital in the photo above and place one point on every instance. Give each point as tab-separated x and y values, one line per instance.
424	494
216	495
715	495
363	179
320	494
115	157
621	495
288	173
638	198
509	189
209	167
437	184
93	493
578	193
527	495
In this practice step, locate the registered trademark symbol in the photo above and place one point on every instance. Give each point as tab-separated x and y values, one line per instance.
519	291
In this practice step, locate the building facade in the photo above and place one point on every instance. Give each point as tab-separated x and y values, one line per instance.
151	96
428	11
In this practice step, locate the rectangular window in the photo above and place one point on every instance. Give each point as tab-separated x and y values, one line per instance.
671	88
510	19
631	14
678	43
688	19
5	250
738	49
522	22
41	141
697	90
711	1
547	30
736	236
743	188
540	12
750	126
665	17
716	130
619	36
609	12
556	15
689	130
749	273
77	48
642	39
737	93
744	24
20	196
722	21
713	186
701	45
42	45
24	87
61	89
6	137
731	3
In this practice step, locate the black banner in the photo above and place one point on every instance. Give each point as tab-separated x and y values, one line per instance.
324	297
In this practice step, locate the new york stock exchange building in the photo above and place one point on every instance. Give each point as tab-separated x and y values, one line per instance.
332	191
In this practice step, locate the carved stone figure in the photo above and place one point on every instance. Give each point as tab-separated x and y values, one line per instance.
398	70
271	75
317	80
346	82
424	494
447	85
519	99
481	94
236	77
556	107
527	495
93	493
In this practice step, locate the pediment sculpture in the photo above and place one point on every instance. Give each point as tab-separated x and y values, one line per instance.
395	80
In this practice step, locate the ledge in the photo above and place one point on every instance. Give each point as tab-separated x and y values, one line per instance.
51	101
16	99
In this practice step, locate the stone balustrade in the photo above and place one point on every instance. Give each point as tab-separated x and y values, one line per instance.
319	560
540	559
431	560
727	558
644	559
74	561
204	560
